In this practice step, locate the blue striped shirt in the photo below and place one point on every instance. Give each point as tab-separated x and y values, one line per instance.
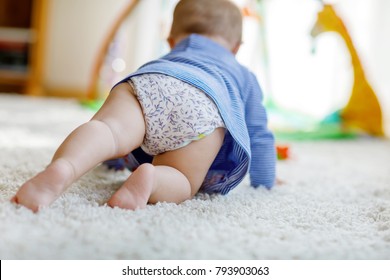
248	146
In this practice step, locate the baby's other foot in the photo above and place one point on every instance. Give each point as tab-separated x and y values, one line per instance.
135	192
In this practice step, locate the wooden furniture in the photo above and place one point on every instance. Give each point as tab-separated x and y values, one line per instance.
22	30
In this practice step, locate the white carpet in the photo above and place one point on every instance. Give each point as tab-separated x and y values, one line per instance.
335	203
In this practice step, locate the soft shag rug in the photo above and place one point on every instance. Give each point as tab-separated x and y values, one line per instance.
334	204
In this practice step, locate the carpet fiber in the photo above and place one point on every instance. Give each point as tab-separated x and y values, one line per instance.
334	204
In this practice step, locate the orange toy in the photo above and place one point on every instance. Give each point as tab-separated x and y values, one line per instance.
282	152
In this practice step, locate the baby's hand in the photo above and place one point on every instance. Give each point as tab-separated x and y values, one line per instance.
279	182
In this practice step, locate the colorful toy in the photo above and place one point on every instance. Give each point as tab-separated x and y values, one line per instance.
282	152
362	112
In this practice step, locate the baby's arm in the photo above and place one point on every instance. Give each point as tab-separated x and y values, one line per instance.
263	163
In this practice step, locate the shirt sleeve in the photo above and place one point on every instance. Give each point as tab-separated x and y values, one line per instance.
262	142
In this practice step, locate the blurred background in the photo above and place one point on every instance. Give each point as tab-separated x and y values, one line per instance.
51	48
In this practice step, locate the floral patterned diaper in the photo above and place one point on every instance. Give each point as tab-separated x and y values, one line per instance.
175	112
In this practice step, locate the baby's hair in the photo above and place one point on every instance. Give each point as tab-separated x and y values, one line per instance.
208	17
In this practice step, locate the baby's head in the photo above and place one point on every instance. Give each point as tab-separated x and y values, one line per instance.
220	20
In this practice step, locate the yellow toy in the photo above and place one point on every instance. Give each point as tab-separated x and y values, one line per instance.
362	111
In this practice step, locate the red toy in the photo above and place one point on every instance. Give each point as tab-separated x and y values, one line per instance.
282	152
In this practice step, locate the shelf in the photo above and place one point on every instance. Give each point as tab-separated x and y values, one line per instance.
16	35
22	40
13	81
14	51
11	77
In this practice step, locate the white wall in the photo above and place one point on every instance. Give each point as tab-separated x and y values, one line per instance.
76	28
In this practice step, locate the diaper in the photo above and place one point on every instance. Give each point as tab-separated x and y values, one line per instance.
175	113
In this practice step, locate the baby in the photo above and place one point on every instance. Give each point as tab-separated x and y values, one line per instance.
190	121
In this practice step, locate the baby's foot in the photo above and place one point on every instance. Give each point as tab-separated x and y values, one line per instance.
45	187
135	192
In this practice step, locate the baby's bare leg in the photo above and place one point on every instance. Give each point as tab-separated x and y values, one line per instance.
175	176
116	129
